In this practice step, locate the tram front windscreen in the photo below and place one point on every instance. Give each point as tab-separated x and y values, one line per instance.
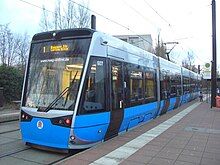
54	73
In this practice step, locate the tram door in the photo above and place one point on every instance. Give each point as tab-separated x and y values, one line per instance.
117	99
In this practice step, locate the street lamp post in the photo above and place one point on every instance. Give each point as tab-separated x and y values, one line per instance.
213	76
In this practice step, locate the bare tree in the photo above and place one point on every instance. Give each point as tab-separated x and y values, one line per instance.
13	47
45	23
3	42
71	16
189	61
82	16
7	46
22	50
58	18
69	13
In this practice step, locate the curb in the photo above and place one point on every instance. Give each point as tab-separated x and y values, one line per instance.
9	117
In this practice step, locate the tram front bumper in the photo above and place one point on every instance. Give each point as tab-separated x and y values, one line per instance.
41	131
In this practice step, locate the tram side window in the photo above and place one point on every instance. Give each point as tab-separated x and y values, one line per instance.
136	84
93	96
165	85
127	86
179	88
186	84
191	87
175	85
150	85
173	89
117	84
194	85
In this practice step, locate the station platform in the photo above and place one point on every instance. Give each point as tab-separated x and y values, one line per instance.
189	135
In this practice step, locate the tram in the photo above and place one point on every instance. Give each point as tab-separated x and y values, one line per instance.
83	87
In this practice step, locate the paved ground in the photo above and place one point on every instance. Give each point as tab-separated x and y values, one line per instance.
186	136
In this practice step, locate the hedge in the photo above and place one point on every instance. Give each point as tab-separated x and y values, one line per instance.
11	79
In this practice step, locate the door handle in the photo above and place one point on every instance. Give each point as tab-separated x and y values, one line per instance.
121	104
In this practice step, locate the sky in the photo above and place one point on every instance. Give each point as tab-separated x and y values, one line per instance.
187	22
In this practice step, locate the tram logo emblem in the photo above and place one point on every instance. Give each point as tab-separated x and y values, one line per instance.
40	124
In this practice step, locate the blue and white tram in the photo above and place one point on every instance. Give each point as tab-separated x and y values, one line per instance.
83	87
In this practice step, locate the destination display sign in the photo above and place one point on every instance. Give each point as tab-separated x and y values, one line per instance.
56	48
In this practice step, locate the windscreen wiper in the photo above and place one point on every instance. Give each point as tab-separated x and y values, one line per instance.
69	89
41	109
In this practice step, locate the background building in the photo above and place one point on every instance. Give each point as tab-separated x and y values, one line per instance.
141	41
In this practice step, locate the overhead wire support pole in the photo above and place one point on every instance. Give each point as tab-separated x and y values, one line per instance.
214	60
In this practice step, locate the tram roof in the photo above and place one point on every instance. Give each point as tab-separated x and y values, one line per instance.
63	34
112	41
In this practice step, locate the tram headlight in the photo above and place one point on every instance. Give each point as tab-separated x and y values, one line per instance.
67	121
72	139
25	117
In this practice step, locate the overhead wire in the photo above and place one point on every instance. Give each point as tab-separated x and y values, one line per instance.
190	37
189	47
148	4
111	20
147	18
37	6
195	55
129	29
157	13
141	15
136	11
78	5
